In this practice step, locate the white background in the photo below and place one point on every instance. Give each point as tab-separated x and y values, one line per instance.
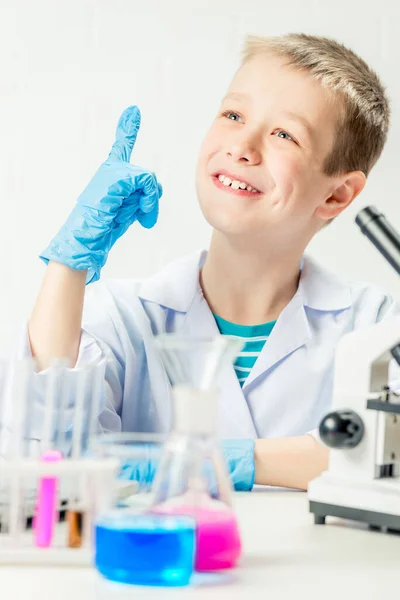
68	69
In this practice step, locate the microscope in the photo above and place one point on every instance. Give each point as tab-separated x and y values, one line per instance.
362	482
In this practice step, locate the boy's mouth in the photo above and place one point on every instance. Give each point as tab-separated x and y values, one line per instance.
234	186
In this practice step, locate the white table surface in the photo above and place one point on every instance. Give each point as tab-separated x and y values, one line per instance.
285	556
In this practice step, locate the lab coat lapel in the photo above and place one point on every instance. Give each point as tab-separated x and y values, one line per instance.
319	290
177	287
291	331
235	419
161	388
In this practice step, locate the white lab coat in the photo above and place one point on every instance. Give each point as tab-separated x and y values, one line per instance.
289	388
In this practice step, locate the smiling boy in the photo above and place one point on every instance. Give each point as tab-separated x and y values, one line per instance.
301	126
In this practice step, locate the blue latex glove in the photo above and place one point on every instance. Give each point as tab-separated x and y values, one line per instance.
118	195
239	457
144	469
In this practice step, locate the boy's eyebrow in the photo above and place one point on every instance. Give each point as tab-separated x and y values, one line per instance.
305	122
235	96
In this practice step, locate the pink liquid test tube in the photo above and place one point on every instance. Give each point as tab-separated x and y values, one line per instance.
46	507
218	544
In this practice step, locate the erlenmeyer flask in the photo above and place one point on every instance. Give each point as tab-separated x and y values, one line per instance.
192	478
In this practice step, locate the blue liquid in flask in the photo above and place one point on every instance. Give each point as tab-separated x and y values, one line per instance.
146	549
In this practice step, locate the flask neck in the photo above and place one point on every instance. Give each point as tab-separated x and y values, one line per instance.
196	411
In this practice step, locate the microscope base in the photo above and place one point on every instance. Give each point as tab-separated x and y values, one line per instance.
376	502
374	519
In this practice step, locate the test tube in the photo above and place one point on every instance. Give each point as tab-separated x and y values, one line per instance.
46	509
77	425
75	508
48	422
63	392
75	520
87	516
97	396
53	437
21	371
30	436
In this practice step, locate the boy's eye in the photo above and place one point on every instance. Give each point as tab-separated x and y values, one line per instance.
284	135
233	116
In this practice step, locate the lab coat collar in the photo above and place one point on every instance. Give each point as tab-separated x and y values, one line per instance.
177	285
178	288
320	289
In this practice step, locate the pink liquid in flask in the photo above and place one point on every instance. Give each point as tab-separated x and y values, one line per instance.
218	543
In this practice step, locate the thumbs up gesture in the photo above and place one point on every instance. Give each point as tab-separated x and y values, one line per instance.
119	194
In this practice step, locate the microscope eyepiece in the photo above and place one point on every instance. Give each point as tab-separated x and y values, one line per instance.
380	232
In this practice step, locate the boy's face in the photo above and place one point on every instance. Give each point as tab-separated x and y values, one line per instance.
275	128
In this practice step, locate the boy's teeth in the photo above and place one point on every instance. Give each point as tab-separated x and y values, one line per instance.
235	184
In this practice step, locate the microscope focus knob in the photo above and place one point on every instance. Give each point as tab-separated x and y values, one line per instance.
341	429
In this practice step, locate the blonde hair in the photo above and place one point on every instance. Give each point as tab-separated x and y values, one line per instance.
364	116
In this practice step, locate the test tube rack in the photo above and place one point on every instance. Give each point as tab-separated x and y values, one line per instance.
32	424
94	492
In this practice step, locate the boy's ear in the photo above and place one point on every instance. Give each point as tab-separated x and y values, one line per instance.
348	188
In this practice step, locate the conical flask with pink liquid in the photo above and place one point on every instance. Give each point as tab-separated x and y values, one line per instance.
192	478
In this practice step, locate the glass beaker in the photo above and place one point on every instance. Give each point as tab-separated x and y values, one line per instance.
132	543
192	478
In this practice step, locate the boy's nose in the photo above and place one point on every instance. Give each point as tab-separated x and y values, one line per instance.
242	151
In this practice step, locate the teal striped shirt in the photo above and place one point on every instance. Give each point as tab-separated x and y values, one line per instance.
254	338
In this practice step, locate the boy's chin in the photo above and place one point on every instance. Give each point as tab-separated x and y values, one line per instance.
235	227
234	220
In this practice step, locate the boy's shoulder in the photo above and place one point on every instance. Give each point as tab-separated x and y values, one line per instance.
325	290
173	286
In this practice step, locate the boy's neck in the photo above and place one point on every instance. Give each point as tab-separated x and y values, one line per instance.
248	285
